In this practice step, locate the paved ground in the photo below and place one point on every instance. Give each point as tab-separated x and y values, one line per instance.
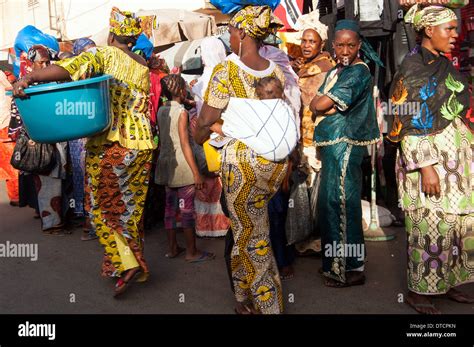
69	268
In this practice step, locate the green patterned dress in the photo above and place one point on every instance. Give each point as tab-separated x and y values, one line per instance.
440	229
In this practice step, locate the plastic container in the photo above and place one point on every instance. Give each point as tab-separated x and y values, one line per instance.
66	111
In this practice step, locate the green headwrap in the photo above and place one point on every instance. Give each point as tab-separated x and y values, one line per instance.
368	52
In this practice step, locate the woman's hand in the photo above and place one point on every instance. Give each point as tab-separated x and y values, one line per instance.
331	111
430	181
297	64
198	181
19	86
217	128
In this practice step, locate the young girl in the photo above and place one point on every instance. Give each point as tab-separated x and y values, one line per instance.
177	170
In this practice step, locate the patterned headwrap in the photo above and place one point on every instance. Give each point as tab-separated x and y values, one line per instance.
80	44
124	23
311	21
368	52
257	21
39	51
429	16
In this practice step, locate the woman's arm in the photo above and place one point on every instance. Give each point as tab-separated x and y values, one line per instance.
208	116
186	148
321	104
48	74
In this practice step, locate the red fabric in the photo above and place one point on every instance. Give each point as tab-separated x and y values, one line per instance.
155	93
7	172
282	14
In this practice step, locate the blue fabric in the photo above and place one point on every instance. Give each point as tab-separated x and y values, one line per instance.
144	45
77	153
30	36
277	211
347	24
355	118
232	6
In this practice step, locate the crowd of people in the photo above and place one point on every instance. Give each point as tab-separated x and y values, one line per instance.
161	126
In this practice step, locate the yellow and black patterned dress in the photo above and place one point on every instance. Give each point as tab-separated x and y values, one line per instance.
118	161
249	182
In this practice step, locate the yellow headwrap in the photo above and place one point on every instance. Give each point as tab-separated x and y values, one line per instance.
257	21
124	23
429	16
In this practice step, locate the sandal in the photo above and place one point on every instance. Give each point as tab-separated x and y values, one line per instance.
54	231
122	284
204	257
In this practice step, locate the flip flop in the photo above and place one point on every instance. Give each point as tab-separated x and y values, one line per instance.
122	285
204	257
180	251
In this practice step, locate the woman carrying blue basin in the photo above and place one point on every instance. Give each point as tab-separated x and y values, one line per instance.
118	160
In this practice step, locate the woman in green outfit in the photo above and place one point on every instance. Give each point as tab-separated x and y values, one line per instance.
350	125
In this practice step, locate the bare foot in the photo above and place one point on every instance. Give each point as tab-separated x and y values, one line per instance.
421	303
458	296
175	252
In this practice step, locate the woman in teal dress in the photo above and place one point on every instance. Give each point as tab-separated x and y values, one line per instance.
345	98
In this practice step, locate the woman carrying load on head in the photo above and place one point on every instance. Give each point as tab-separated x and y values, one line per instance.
118	161
435	170
249	180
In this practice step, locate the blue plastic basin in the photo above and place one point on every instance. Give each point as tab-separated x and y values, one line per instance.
66	111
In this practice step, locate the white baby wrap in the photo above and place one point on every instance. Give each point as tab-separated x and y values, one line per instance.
268	127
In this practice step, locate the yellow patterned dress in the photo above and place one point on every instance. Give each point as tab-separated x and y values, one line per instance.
118	161
249	182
